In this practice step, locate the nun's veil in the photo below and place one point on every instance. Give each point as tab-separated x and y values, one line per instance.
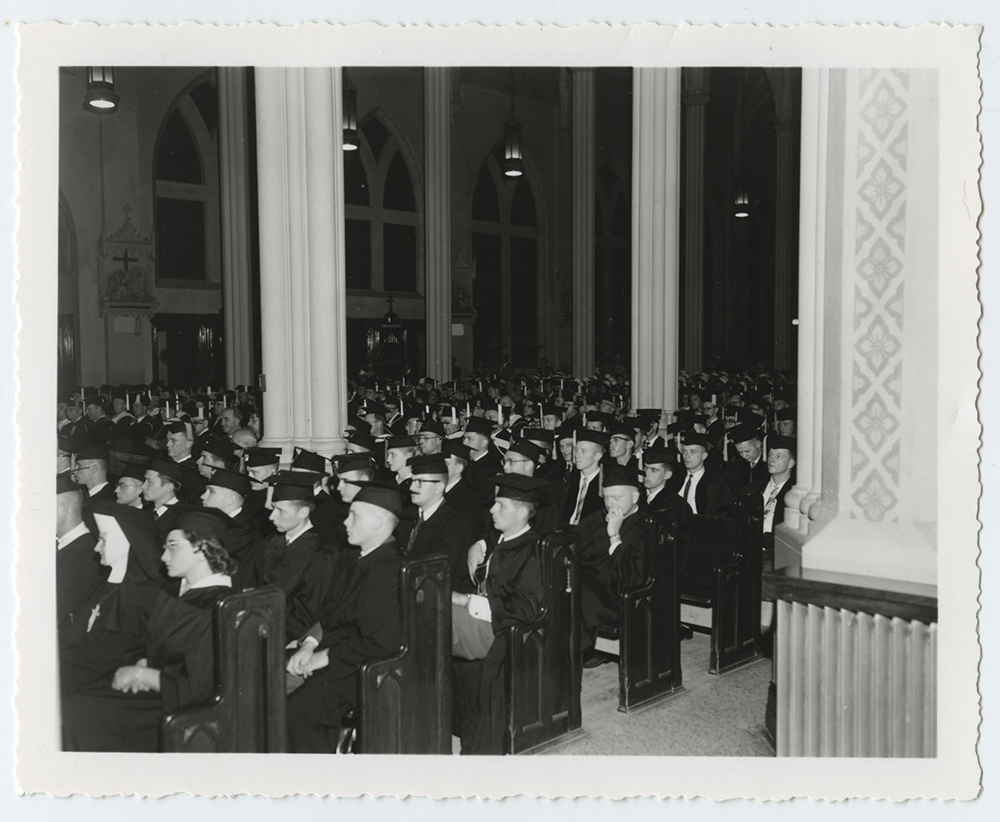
144	545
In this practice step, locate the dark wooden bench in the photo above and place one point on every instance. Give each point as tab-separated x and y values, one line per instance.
544	665
723	572
247	713
647	637
404	702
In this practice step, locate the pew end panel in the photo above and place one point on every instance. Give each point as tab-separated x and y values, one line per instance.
247	713
404	701
544	664
649	666
737	592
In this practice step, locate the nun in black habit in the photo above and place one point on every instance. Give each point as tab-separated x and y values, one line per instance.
156	650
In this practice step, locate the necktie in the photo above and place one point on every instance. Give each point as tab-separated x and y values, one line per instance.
575	519
687	488
771	500
413	533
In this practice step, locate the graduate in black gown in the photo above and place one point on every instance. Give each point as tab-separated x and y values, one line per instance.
362	621
163	651
509	577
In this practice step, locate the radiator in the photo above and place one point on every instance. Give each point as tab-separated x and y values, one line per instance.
853	684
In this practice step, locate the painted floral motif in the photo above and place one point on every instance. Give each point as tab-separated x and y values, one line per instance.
875	498
878	345
876	423
883	110
879	267
881	189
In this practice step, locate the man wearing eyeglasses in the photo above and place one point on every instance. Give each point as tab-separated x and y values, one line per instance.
128	489
91	471
439	529
430	437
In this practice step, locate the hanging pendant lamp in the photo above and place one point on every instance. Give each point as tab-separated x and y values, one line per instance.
100	97
513	159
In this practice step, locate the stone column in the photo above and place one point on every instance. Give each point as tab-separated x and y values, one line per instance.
812	259
437	220
655	236
696	97
584	192
233	175
303	302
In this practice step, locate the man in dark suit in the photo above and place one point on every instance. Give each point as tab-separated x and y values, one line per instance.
704	489
524	457
91	471
439	529
101	427
583	485
747	466
661	484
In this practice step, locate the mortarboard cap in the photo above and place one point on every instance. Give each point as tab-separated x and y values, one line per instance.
479	425
615	475
787	443
744	432
258	456
597	437
294	485
223	478
352	461
303	460
658	456
372	407
218	448
694	438
539	435
400	442
526	449
380	494
133	470
518	487
93	452
456	448
786	413
168	469
432	427
427	464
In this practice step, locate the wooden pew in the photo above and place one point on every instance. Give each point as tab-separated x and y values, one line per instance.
723	572
544	665
647	637
404	701
247	713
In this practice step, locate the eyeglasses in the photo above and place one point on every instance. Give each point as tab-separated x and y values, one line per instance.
417	482
509	461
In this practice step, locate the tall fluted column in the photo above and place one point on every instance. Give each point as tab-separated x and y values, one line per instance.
303	316
584	193
655	236
234	172
696	97
437	216
812	256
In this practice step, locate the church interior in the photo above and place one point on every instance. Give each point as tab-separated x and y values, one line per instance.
310	235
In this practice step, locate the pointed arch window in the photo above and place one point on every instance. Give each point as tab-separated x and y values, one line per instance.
186	190
505	242
383	215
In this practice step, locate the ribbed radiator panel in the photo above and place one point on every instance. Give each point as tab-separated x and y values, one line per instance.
852	684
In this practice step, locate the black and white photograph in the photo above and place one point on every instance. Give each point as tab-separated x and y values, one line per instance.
458	393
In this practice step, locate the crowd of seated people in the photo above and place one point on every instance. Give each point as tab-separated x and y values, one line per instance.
166	504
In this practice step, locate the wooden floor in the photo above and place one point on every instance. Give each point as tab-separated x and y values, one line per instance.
714	716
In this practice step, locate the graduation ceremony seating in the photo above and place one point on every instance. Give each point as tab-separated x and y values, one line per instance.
404	702
247	713
647	638
544	665
722	572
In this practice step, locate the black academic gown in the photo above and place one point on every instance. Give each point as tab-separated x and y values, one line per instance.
304	571
606	576
244	543
79	575
480	473
740	475
463	499
362	622
163	523
514	589
179	643
712	495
